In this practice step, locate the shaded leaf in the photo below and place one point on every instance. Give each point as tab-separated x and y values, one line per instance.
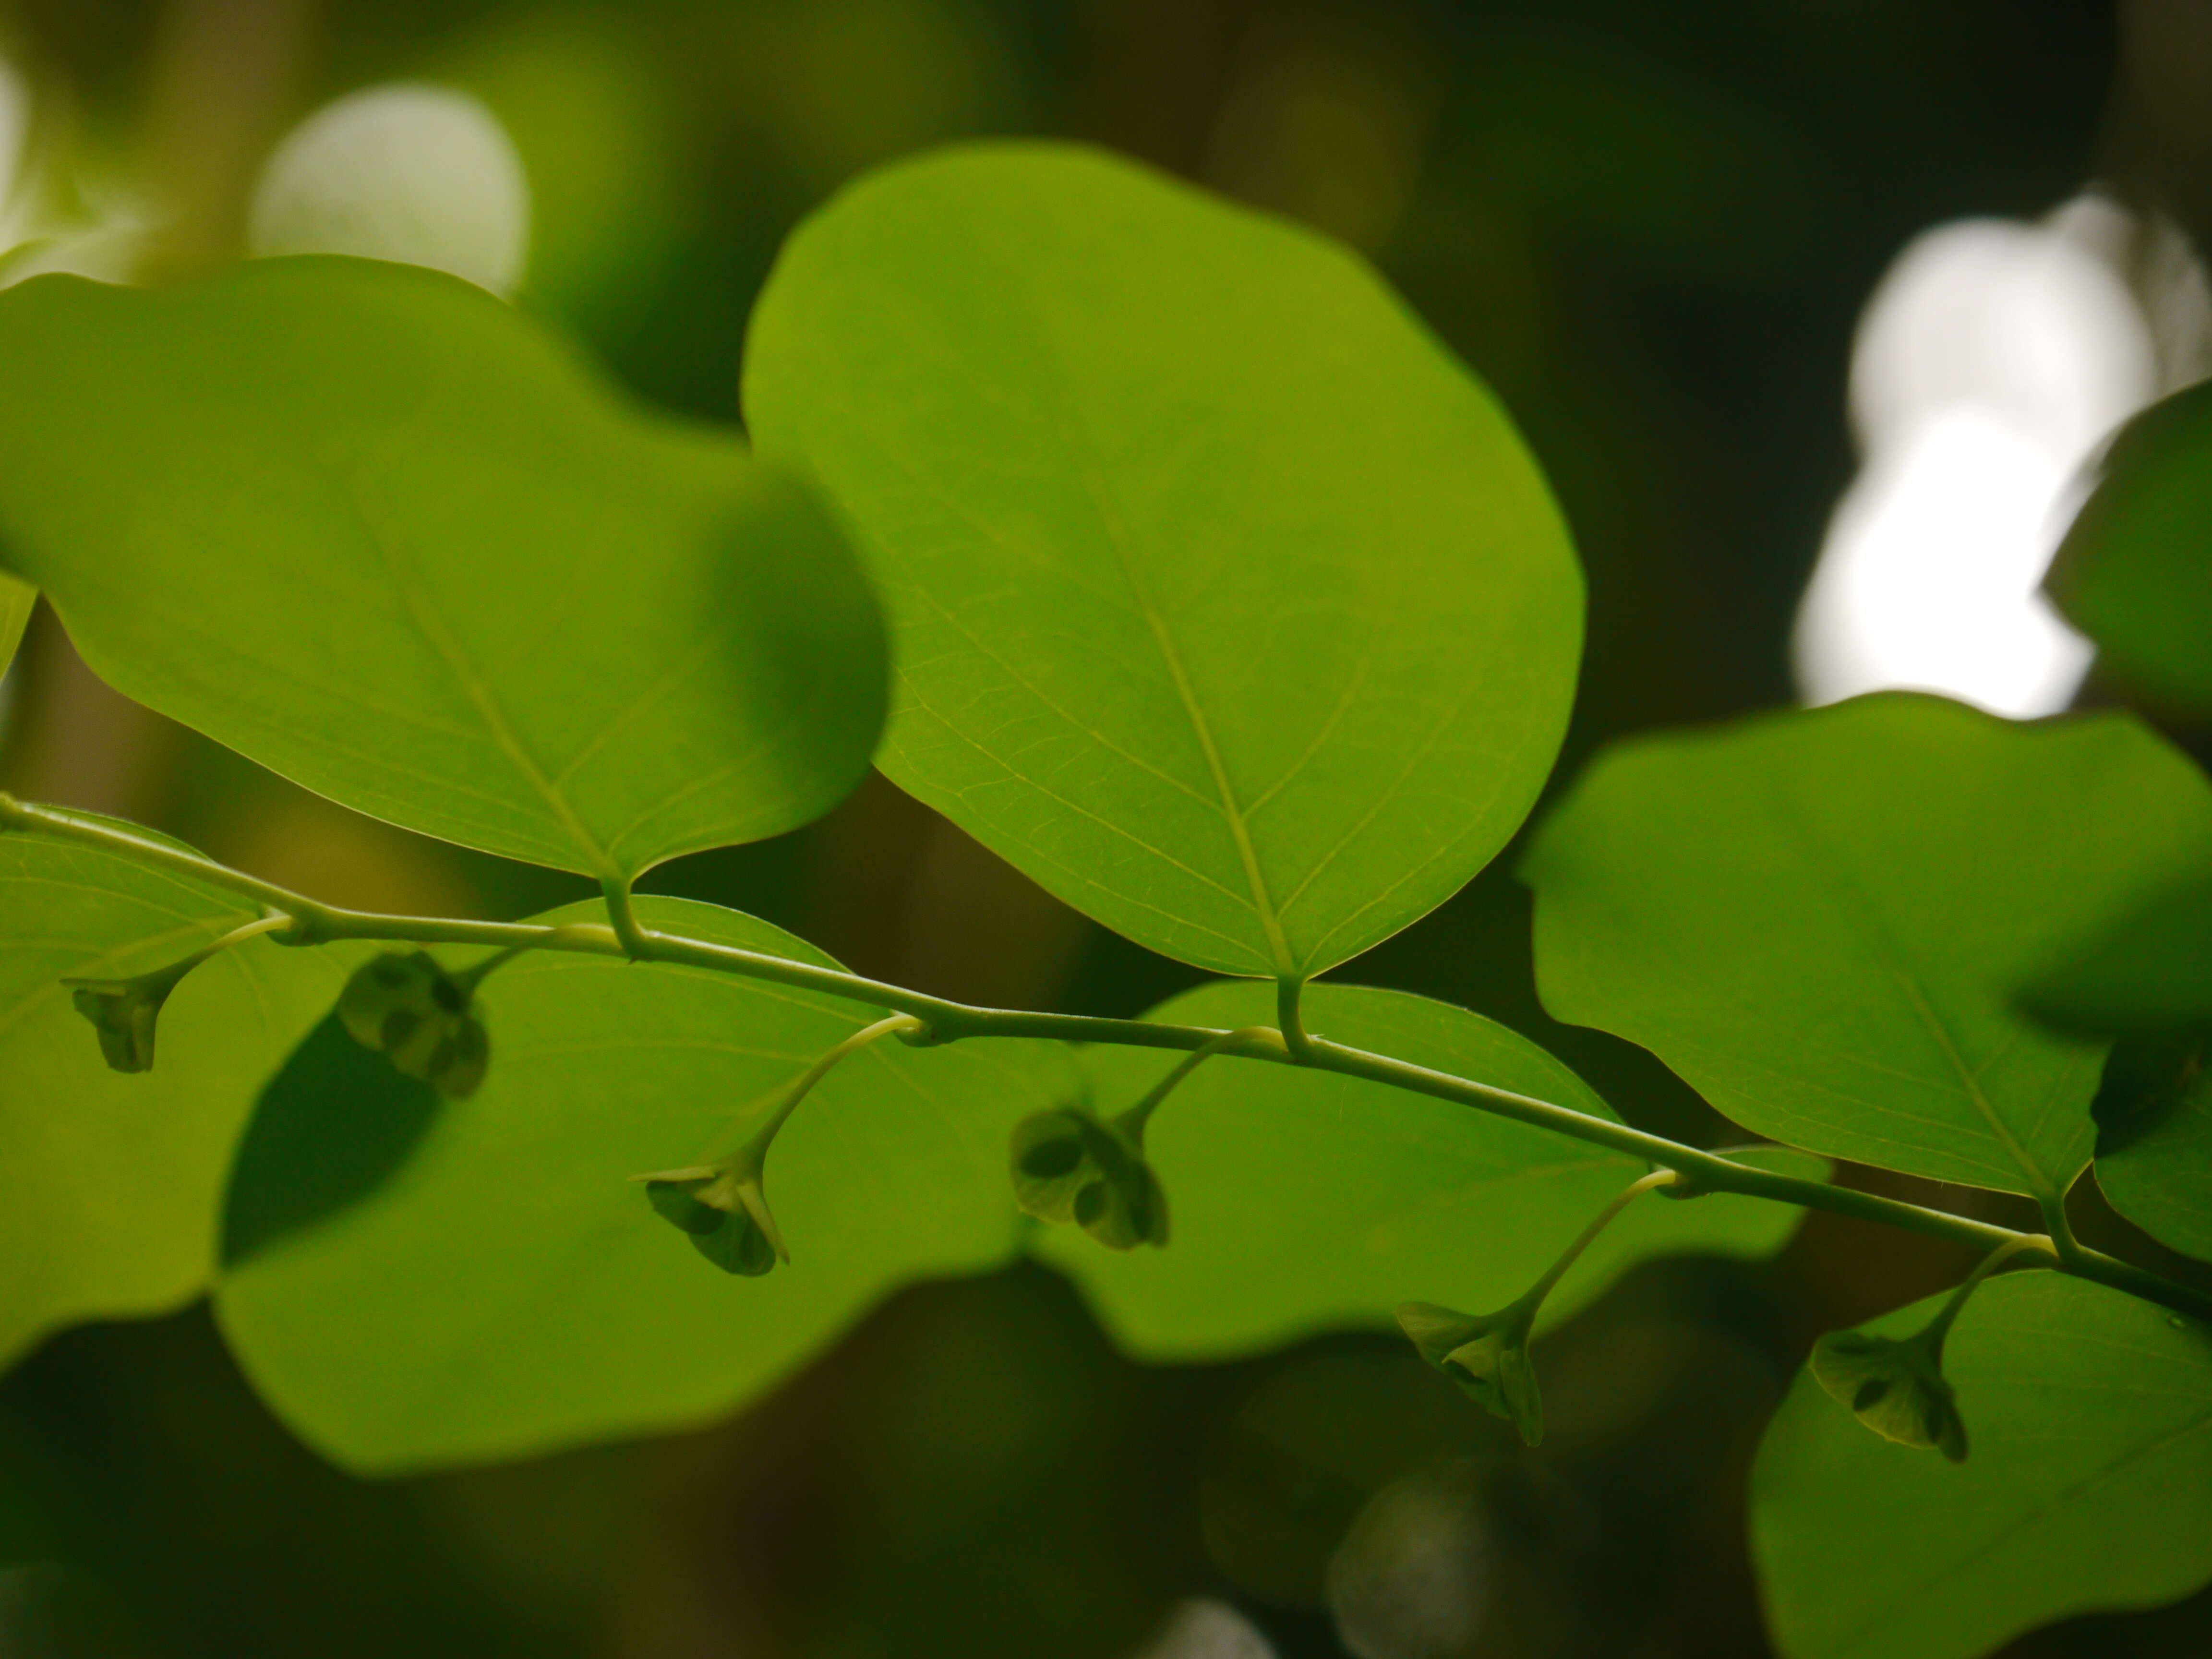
2131	572
113	1183
1818	919
334	1124
2147	972
509	1289
2090	1487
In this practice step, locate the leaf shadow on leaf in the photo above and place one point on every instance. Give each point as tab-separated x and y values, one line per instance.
332	1126
2147	1081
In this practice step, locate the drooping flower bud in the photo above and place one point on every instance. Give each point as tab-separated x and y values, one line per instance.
1896	1388
123	1012
1069	1166
407	1007
1487	1355
725	1214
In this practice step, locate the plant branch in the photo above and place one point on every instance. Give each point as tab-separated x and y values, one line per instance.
315	923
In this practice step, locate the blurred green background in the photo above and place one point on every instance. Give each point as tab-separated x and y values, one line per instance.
1651	229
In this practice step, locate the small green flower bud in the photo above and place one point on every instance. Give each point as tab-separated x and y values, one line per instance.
412	1010
1069	1166
1486	1355
123	1012
1895	1388
724	1213
1052	1162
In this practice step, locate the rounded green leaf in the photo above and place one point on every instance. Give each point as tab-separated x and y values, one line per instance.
1818	919
1304	1201
2132	573
2090	1485
369	526
1227	605
111	1184
508	1289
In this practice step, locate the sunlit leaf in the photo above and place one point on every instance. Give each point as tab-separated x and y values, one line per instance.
1228	605
2132	574
368	526
509	1289
1819	920
2090	1485
110	1185
1306	1202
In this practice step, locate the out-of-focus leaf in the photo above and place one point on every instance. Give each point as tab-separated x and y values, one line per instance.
2146	973
111	1184
2132	573
1229	606
508	1289
1819	920
1306	1202
372	528
2090	1485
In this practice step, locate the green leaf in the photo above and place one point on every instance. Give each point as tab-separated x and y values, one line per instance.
111	1182
1306	1202
2090	1485
1818	919
2145	973
378	533
17	600
1228	605
2155	1141
2131	572
510	1290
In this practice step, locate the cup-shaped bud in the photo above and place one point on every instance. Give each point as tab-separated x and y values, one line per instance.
412	1010
1069	1166
1487	1354
1896	1388
1052	1162
123	1012
723	1212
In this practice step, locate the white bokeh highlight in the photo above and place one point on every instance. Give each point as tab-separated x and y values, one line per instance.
416	174
1990	362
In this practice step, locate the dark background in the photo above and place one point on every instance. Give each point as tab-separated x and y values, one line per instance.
1651	228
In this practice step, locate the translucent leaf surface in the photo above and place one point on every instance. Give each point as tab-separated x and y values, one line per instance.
370	527
1304	1201
1818	919
2131	572
509	1289
1228	605
110	1185
2089	1484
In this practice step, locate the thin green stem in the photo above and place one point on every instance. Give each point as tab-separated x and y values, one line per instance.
1533	1297
2060	1228
1137	1116
314	923
1290	1022
754	1153
623	914
1940	1326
